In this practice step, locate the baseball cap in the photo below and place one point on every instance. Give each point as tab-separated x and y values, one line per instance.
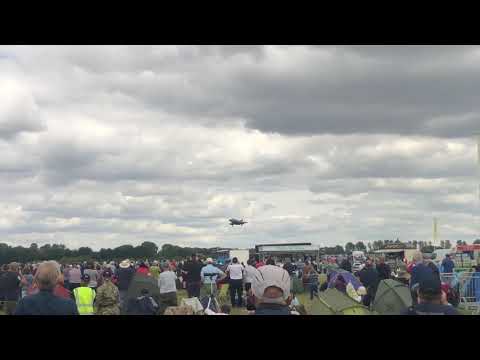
107	273
431	286
86	277
271	276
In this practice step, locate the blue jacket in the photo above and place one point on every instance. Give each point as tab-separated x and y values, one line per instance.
210	269
447	265
431	309
272	309
45	303
420	272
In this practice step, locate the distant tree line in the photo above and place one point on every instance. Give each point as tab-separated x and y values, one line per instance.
59	252
149	250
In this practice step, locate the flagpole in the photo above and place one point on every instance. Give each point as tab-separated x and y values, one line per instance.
478	186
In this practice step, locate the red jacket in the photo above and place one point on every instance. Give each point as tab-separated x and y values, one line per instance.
61	292
260	263
143	270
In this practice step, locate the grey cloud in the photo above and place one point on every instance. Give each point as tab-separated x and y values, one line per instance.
109	145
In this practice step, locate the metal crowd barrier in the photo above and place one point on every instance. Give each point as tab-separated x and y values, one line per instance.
467	284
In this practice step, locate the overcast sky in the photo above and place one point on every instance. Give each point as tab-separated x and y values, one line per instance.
109	145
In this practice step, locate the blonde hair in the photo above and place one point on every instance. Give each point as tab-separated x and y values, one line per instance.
47	275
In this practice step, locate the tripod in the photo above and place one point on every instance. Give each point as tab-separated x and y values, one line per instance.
211	298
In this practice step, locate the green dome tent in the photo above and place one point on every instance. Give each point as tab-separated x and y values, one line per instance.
334	302
140	282
392	298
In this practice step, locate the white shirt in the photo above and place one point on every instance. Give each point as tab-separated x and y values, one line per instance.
236	271
166	282
249	273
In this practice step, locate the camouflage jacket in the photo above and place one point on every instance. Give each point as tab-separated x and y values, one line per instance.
107	299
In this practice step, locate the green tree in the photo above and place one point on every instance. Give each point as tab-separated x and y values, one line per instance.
477	241
339	249
360	246
349	247
85	251
150	249
448	244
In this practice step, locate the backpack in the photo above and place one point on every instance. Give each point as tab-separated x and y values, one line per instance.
250	302
143	306
453	296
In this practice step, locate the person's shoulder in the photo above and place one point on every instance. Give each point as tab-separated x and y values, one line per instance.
450	310
28	299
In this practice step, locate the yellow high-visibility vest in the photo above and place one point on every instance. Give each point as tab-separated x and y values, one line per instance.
84	297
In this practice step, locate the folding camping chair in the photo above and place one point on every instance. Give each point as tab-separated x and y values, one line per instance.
212	300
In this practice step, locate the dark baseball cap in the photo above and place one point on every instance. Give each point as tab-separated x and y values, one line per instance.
431	286
86	277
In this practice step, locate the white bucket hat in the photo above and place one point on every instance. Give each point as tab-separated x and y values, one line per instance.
125	264
268	276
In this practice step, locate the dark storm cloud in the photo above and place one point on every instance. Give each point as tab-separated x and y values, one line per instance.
324	90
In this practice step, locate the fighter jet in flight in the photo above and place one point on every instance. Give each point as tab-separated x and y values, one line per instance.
237	222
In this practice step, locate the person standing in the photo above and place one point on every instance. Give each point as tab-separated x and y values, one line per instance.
155	270
383	269
448	265
346	264
85	297
236	272
60	289
27	280
312	283
369	279
306	272
420	271
45	302
168	288
143	269
66	276
11	286
192	271
124	278
107	300
259	263
75	277
209	282
93	276
249	274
